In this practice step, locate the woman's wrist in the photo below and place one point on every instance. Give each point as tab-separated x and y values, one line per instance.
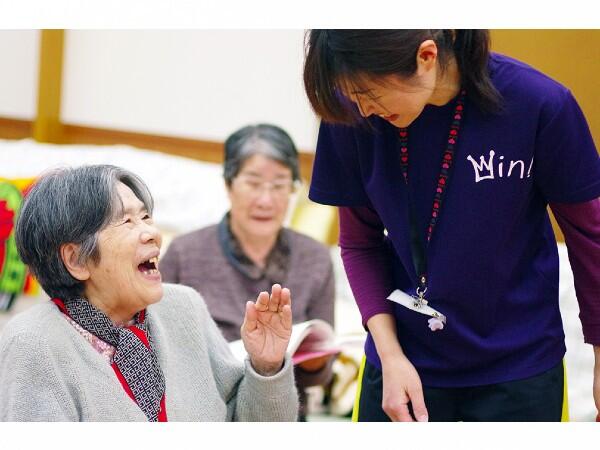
392	357
391	350
266	369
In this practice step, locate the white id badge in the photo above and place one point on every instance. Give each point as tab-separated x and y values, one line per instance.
418	305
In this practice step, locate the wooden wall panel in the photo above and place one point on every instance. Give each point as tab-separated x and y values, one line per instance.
47	126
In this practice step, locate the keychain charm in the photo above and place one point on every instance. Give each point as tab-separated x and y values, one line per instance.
435	324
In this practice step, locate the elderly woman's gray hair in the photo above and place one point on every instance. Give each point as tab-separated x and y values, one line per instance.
268	140
71	205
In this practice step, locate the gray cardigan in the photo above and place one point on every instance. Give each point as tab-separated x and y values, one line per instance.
49	372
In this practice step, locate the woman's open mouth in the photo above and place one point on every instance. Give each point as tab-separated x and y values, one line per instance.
149	267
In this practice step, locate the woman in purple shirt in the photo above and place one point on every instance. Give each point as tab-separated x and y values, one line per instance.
443	158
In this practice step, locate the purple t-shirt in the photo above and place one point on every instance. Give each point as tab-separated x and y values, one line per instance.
492	260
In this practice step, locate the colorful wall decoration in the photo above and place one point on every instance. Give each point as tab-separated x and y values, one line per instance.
14	276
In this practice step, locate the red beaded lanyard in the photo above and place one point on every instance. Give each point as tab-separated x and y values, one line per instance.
418	248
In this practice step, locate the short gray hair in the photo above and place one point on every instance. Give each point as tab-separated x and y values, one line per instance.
71	205
265	139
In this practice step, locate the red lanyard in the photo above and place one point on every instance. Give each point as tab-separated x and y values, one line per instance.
418	249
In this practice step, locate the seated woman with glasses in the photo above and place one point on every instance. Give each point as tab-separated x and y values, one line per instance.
250	250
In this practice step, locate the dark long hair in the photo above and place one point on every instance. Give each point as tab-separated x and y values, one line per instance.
333	57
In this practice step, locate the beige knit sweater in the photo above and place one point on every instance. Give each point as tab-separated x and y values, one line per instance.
49	372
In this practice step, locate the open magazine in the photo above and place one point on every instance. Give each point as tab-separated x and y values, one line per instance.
309	340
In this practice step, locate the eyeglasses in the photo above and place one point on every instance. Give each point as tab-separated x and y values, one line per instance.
256	186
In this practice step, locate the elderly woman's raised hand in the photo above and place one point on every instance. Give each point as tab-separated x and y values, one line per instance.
267	328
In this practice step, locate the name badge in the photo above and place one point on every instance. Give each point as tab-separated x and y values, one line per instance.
419	304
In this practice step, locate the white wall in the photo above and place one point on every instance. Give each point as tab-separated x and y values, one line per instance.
19	53
201	84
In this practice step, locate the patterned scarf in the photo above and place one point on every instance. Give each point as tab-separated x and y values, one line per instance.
134	362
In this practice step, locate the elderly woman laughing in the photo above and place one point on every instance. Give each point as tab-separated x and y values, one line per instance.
115	344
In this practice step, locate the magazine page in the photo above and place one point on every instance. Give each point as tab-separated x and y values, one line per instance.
311	339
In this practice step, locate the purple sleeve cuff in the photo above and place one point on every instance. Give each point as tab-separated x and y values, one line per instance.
364	250
580	223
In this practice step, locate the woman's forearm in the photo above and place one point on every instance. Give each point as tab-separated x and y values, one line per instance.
580	223
366	259
383	331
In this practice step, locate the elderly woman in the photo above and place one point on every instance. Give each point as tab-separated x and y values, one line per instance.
115	344
250	250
